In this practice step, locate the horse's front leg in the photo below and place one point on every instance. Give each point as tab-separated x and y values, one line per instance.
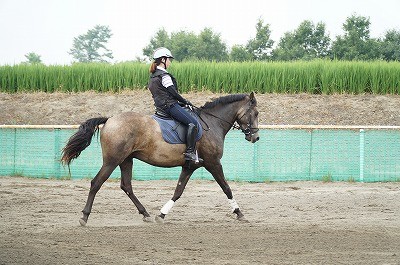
218	174
183	180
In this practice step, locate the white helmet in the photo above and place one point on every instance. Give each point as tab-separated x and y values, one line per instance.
162	52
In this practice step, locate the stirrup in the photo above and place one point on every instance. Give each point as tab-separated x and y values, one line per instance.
193	156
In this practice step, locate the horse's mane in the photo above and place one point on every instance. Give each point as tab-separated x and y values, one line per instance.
224	100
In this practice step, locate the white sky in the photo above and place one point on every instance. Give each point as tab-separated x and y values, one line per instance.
47	27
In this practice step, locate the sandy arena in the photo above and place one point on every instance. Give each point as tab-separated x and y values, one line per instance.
289	223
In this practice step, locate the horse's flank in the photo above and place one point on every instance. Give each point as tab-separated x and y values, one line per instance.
137	136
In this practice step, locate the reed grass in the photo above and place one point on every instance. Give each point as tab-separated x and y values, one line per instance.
315	77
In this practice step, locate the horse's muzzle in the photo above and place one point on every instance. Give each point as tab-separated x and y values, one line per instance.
252	137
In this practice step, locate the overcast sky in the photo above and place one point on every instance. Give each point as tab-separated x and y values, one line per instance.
47	27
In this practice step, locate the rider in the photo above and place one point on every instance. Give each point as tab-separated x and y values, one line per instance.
164	90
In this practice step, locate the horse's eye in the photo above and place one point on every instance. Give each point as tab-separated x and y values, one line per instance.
256	114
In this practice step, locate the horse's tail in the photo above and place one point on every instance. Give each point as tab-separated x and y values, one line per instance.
81	139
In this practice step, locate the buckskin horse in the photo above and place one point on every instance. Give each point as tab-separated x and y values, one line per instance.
132	135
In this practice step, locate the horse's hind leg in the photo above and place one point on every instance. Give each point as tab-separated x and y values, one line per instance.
103	174
126	186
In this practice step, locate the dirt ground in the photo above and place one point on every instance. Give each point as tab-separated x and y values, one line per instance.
289	223
74	108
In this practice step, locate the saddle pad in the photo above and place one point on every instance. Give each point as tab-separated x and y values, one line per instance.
175	132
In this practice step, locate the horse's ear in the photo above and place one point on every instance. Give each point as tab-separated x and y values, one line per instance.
252	98
252	95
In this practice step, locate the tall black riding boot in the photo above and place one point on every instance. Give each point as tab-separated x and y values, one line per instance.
191	142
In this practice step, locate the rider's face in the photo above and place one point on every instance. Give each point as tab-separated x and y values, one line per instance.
168	62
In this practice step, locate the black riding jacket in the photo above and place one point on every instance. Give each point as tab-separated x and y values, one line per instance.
164	97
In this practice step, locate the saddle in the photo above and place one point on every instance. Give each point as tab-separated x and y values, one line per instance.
173	131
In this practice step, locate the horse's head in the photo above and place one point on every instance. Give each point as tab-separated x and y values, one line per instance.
247	119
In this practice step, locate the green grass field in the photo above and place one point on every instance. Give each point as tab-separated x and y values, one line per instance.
316	77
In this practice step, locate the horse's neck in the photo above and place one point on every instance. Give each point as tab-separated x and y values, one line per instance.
224	116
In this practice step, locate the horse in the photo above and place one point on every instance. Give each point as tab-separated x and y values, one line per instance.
130	135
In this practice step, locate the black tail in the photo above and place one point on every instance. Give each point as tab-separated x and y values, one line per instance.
81	139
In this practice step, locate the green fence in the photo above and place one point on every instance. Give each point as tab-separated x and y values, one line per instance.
282	154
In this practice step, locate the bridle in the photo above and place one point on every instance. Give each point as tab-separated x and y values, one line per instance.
247	131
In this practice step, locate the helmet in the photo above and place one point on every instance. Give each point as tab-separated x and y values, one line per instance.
162	52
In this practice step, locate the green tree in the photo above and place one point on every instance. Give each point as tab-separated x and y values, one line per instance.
261	46
210	47
187	45
307	42
160	39
390	47
183	45
239	53
33	58
356	43
91	47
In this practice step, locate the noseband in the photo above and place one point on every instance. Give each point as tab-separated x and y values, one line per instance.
248	130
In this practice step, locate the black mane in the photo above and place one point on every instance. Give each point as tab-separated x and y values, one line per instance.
224	100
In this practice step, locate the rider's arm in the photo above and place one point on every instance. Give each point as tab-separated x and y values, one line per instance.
175	94
169	85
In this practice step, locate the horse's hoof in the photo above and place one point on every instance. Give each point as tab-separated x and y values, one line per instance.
159	219
242	219
147	219
82	222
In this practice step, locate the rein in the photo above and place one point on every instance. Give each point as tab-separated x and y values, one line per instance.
247	131
199	110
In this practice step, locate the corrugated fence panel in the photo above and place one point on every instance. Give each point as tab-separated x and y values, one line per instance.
335	155
34	152
238	157
382	156
280	155
283	155
7	151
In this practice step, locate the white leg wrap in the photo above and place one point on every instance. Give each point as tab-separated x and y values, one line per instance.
167	207
233	204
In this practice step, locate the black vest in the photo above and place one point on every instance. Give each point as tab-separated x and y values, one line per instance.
162	98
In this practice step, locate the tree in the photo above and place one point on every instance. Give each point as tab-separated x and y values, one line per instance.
183	45
390	47
33	58
261	46
160	39
356	43
239	53
91	47
187	45
210	47
306	42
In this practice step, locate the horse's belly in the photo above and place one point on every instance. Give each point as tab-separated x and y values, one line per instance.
161	159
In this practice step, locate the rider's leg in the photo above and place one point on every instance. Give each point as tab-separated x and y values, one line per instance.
180	114
191	142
